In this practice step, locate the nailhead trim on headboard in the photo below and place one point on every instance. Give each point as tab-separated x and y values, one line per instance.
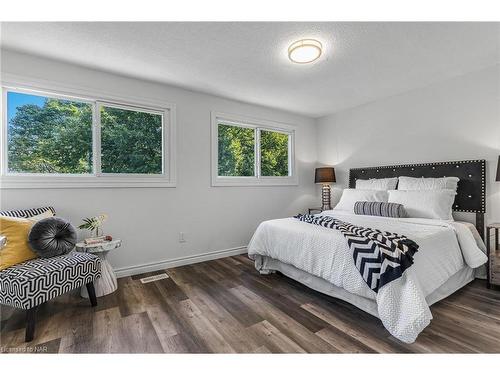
475	183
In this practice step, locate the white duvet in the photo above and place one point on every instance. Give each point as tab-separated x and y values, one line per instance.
445	247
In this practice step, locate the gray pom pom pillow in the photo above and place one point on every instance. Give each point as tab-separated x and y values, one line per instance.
53	236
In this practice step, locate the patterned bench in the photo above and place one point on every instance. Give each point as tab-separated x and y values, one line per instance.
29	284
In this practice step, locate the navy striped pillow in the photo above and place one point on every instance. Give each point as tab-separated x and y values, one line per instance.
379	209
30	212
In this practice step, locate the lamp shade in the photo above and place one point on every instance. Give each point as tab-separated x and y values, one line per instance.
324	175
498	169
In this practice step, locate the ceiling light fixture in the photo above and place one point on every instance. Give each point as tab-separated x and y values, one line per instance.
304	51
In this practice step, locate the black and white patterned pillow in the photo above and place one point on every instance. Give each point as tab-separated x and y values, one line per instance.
380	209
30	212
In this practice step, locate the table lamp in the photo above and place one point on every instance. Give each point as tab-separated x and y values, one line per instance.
325	176
498	170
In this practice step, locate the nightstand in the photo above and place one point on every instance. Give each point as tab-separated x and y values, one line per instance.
493	265
107	283
311	210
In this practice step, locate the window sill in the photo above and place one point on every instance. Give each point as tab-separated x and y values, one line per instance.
83	182
239	181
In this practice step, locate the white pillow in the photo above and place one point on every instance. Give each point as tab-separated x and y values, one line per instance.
377	184
351	196
429	204
415	183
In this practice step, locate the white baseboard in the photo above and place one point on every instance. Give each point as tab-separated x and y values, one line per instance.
177	262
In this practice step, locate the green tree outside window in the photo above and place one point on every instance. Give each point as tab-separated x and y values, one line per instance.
48	135
55	137
273	153
236	152
131	141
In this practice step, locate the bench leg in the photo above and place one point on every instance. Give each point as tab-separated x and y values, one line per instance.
91	291
30	324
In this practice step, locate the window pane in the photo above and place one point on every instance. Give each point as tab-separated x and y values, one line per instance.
46	135
236	151
273	153
131	141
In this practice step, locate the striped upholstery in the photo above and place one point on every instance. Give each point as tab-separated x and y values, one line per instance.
379	209
28	212
36	281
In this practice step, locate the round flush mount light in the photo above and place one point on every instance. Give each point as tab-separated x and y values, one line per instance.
304	51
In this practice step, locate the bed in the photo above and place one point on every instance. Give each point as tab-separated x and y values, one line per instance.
450	255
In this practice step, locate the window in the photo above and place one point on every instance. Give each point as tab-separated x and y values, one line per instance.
251	152
56	140
236	151
48	135
274	154
131	141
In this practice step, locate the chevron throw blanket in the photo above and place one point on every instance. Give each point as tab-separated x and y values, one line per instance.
380	257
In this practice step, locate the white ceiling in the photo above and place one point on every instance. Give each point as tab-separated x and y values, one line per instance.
248	61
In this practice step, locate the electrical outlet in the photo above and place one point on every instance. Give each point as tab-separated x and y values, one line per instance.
182	237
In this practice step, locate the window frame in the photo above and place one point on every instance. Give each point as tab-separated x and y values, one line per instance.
258	125
96	178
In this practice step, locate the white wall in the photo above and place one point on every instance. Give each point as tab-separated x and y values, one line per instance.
457	119
150	219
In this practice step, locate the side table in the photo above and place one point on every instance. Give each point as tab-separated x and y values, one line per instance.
106	284
493	252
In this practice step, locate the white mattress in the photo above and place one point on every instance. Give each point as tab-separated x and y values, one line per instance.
445	248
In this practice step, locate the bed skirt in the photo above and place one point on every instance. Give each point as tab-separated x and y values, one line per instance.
266	265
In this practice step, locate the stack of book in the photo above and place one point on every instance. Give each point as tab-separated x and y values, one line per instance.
97	240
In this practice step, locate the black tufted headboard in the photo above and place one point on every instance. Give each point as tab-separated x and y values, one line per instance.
471	192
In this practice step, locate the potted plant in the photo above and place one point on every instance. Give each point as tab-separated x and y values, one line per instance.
94	224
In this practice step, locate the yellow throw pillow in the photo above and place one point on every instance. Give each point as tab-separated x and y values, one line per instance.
16	249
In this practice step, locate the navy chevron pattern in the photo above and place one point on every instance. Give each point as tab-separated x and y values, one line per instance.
379	256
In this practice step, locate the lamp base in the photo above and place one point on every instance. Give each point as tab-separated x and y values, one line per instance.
325	196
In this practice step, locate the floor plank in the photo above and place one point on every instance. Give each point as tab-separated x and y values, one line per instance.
225	323
299	334
274	339
356	331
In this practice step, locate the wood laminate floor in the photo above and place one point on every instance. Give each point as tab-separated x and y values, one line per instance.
225	306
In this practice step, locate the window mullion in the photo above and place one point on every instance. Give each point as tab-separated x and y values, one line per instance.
96	144
4	136
257	152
